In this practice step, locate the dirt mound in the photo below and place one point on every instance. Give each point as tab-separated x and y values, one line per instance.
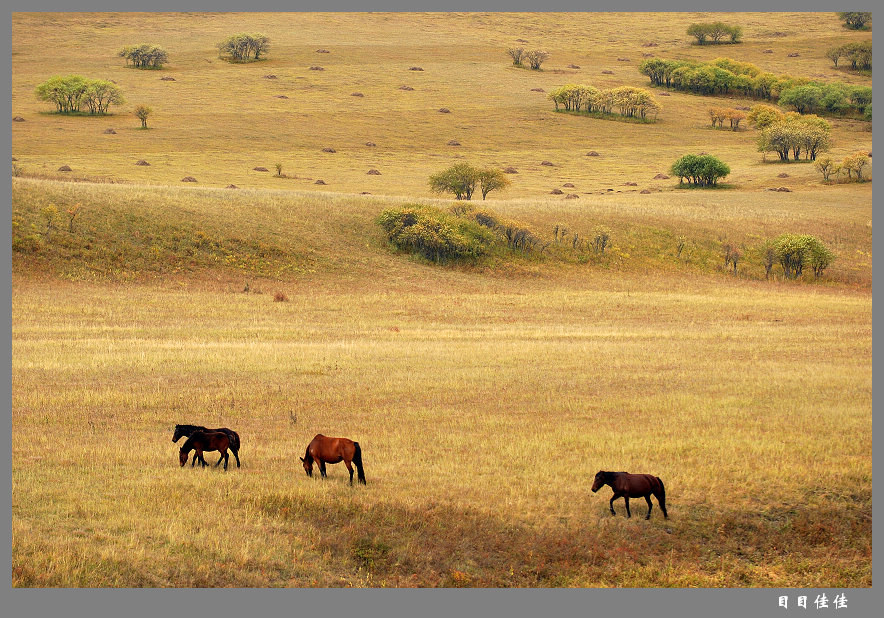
592	153
661	177
783	175
548	163
405	88
322	51
372	144
556	192
231	187
607	72
568	185
767	51
444	110
622	59
188	179
281	96
329	150
270	77
18	119
260	169
650	44
572	196
415	69
356	94
794	55
65	168
167	79
663	94
538	90
645	191
573	66
110	132
373	172
316	68
454	142
630	184
510	170
141	162
319	182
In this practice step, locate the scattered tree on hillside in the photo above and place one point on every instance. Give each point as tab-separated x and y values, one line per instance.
145	56
827	167
535	58
716	32
854	164
700	170
491	179
70	94
631	102
795	251
142	112
855	20
244	47
796	133
859	53
762	115
459	179
516	53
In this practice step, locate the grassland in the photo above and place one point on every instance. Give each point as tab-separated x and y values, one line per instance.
484	396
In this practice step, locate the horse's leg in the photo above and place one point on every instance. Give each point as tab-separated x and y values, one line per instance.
202	459
195	457
350	469
648	498
236	454
226	458
626	499
611	504
219	460
322	468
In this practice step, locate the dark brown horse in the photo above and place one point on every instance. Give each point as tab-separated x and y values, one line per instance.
187	431
201	441
325	450
632	486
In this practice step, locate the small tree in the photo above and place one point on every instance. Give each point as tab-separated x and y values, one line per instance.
855	20
244	47
826	166
699	32
761	115
700	170
142	112
459	179
855	164
516	53
535	58
145	56
491	179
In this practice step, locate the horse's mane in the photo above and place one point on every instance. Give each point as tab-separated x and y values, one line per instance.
190	427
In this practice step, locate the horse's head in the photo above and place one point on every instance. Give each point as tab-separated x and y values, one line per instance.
599	482
182	457
178	433
308	466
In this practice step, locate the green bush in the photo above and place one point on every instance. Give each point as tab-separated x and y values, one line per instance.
435	234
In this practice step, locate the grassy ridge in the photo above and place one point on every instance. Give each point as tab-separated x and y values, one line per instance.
132	232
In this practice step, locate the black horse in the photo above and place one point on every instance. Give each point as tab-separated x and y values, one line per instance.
628	486
188	430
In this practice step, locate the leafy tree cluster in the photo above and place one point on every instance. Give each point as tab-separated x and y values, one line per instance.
725	76
856	20
852	165
796	134
795	252
75	93
629	101
463	179
831	98
534	57
244	47
145	56
715	33
734	116
858	53
700	170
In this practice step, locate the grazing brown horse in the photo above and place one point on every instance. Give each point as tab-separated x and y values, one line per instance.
632	486
187	431
323	450
201	441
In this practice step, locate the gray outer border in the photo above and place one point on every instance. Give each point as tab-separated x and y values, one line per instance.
723	603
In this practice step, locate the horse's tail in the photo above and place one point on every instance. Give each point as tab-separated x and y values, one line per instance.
661	497
234	440
357	459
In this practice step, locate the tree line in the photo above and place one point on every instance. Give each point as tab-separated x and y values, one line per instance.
244	47
725	76
859	53
629	101
715	33
790	132
75	93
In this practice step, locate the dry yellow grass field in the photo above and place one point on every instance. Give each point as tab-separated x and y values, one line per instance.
485	396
